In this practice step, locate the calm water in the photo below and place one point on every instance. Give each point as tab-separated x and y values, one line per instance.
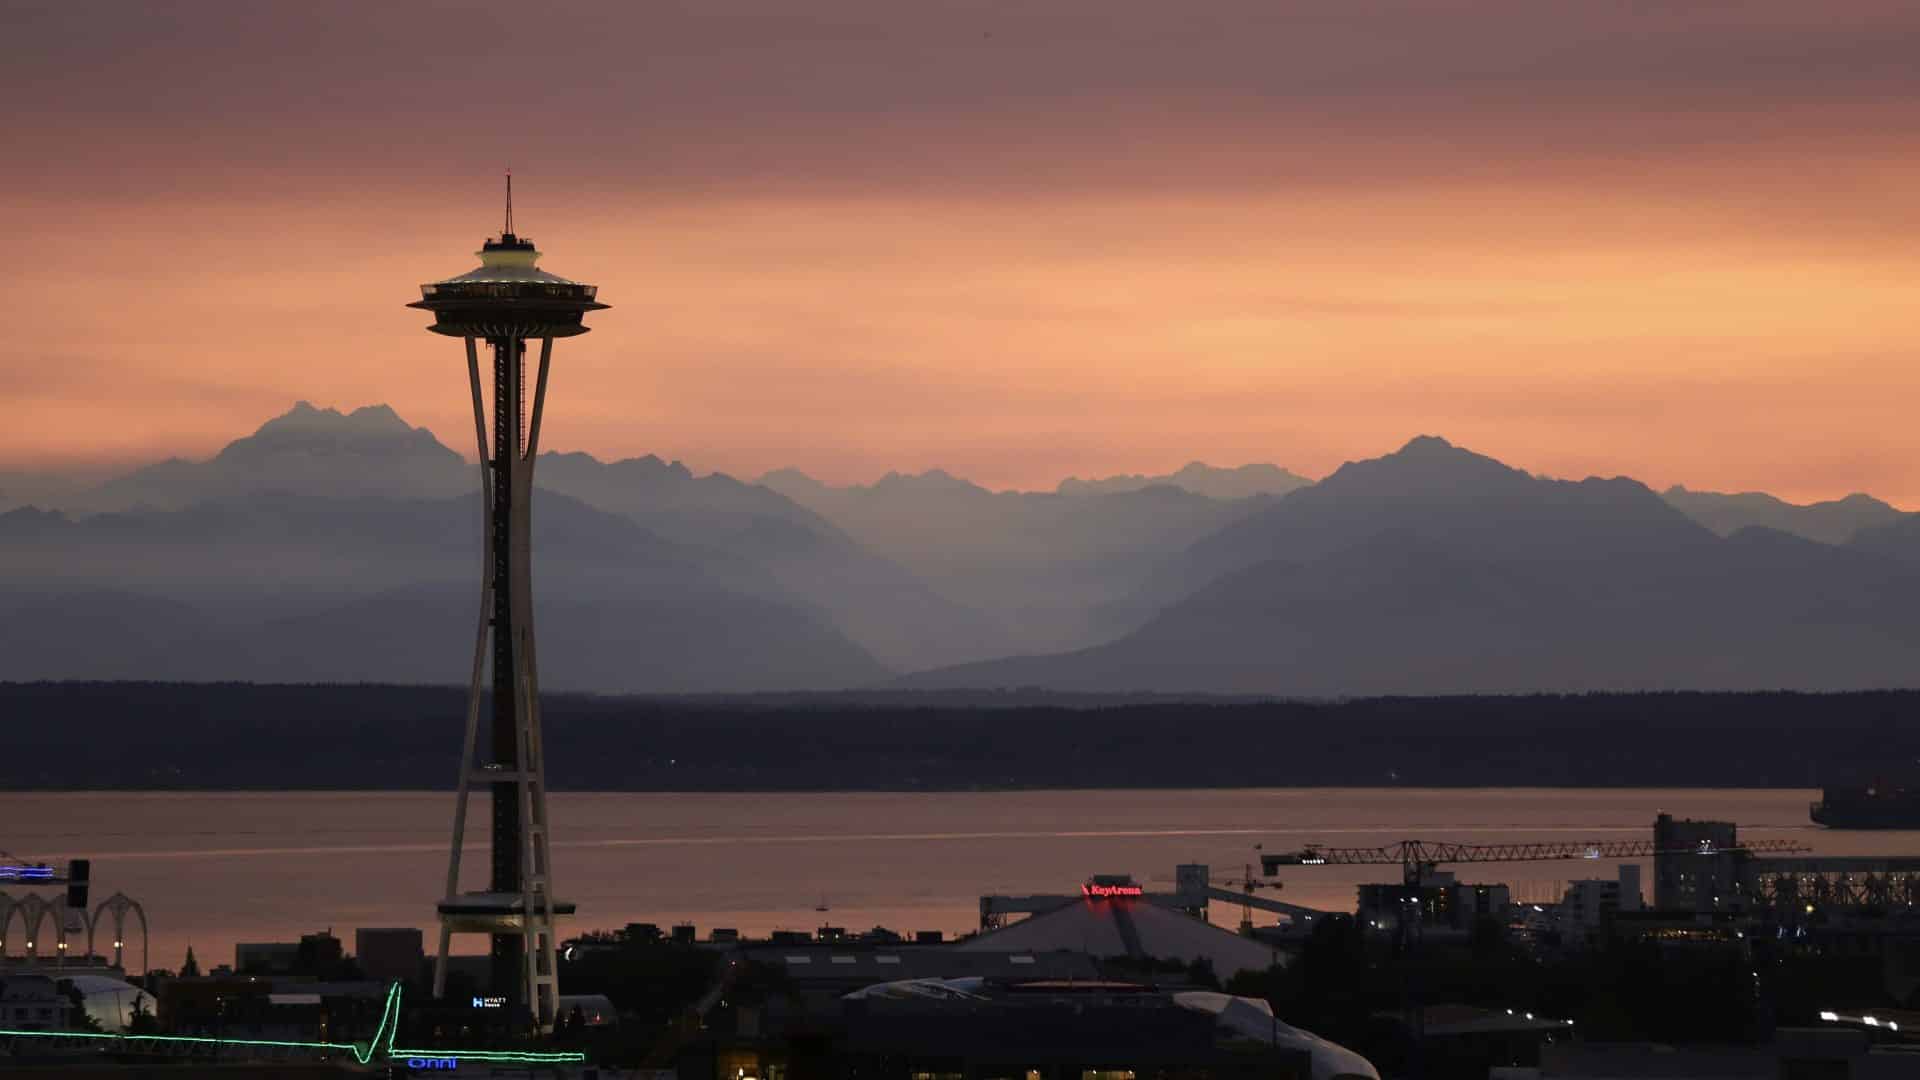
213	869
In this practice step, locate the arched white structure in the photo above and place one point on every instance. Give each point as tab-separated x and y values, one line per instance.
118	905
33	909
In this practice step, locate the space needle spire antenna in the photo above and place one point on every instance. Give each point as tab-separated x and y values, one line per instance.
506	302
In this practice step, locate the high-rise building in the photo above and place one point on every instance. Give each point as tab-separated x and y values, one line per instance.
1696	864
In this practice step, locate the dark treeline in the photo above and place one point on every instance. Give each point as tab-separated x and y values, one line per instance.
161	735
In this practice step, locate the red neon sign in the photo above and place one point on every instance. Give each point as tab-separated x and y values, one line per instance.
1096	891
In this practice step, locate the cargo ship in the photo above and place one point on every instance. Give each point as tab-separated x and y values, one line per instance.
1877	805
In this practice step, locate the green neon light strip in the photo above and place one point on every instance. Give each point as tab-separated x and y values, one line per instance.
382	1043
195	1039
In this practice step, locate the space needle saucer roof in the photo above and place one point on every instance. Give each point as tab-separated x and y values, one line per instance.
507	295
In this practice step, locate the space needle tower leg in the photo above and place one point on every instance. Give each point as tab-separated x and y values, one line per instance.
475	686
539	943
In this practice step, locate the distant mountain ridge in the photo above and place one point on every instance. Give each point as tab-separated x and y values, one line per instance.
1240	482
282	587
1437	570
1430	486
1832	522
371	452
343	546
886	608
1046	567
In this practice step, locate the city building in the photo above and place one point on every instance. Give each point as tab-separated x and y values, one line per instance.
390	954
1440	900
1589	904
1694	864
1702	866
34	1003
318	953
266	957
268	1007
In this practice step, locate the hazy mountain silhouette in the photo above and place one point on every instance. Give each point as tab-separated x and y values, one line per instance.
1436	570
1434	489
1832	522
331	546
878	603
373	452
1897	539
277	587
71	631
1046	566
1198	477
21	488
370	451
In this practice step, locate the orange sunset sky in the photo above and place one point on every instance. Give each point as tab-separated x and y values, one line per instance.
1019	241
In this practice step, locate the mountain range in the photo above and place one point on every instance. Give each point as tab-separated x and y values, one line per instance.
343	547
1832	522
1437	570
1199	478
1049	567
278	587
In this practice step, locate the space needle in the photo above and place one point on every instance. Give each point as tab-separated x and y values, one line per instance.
507	302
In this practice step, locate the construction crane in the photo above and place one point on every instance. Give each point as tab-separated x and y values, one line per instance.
1247	883
1418	858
